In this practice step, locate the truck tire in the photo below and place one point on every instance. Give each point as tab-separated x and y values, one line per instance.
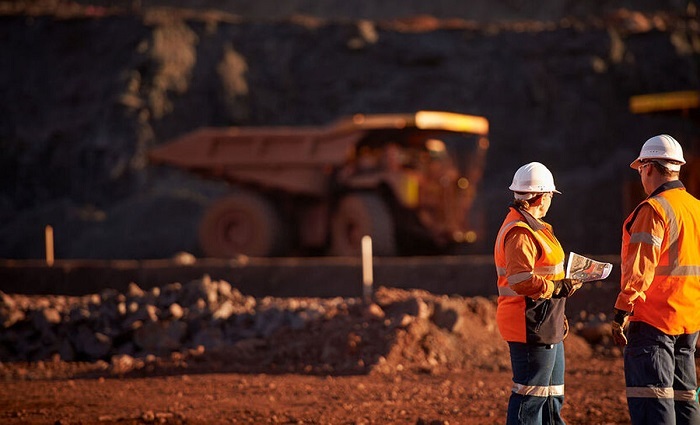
242	223
362	214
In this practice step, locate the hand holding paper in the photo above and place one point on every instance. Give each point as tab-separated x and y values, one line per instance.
586	269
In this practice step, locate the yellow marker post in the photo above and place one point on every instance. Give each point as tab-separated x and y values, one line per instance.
48	237
367	276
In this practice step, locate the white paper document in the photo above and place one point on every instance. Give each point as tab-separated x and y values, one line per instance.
586	269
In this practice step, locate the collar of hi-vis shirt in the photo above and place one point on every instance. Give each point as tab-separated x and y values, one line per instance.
531	221
673	184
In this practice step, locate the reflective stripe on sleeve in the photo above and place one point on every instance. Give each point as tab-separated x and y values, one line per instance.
550	270
649	392
538	391
506	291
519	277
647	238
540	271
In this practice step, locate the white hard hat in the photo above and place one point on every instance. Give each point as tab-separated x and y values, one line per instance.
533	178
663	148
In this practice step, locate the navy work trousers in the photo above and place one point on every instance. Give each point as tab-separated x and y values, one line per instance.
660	376
538	384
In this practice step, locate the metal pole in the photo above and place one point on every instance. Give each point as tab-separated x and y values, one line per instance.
48	237
367	277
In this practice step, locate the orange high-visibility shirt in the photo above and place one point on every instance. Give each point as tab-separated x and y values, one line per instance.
660	261
528	258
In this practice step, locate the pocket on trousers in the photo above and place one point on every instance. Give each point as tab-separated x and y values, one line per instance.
643	366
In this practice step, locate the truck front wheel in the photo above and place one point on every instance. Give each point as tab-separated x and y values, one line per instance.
242	223
358	215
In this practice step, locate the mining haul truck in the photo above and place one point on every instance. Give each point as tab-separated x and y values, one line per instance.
406	180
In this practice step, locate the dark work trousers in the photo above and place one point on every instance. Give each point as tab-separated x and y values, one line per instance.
660	376
538	384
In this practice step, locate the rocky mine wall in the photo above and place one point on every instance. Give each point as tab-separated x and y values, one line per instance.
85	95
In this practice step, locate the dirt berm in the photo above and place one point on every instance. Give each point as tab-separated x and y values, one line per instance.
211	324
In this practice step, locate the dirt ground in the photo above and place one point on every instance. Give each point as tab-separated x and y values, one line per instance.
398	361
409	357
594	395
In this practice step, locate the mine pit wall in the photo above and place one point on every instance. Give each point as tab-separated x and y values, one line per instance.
293	277
80	116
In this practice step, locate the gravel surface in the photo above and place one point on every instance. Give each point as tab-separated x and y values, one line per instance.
409	357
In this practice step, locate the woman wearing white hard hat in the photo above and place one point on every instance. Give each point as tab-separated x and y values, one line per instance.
657	312
532	294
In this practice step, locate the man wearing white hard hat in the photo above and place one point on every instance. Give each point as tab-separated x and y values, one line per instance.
532	294
657	312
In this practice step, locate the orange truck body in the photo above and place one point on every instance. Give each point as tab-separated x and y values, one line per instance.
407	180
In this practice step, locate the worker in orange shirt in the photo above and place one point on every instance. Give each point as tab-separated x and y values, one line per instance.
532	294
657	312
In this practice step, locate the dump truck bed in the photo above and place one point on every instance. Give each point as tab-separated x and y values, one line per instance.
294	159
289	159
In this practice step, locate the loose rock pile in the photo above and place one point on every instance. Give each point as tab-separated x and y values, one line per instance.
209	324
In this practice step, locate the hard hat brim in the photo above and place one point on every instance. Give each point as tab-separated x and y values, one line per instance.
664	162
535	193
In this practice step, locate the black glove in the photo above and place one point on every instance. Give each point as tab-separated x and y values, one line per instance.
619	326
565	287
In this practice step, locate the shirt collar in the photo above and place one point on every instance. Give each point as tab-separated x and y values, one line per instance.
673	184
531	221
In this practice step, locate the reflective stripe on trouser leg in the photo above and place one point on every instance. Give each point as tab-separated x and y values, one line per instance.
685	383
538	384
660	376
538	391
